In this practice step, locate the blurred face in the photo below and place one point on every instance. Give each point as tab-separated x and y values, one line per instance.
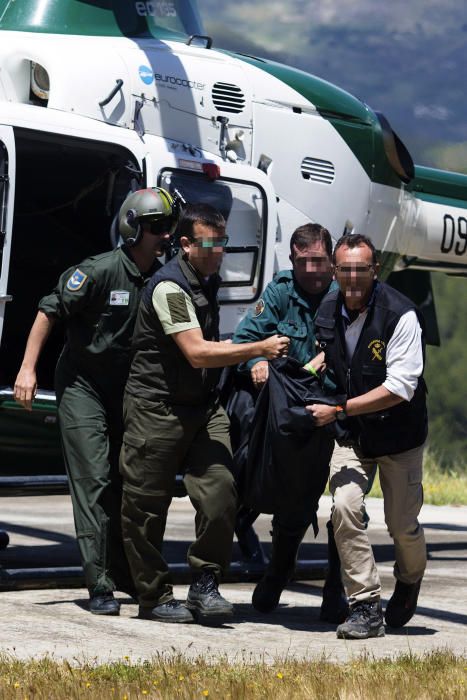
156	236
205	253
312	268
355	273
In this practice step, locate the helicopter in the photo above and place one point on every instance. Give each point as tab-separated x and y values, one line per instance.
102	97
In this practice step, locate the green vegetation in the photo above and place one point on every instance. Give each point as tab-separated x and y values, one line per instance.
439	674
446	377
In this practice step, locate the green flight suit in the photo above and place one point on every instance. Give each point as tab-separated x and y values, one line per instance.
98	303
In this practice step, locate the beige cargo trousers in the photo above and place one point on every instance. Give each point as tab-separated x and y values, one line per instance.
401	483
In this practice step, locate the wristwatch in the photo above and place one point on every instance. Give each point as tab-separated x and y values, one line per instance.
341	413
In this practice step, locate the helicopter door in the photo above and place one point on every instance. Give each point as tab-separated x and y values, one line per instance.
7	196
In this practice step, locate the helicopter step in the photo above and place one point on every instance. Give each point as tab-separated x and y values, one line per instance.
25	575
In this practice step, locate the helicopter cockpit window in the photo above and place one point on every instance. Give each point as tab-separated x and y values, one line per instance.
243	206
180	16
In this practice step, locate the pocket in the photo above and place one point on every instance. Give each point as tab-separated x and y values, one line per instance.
373	375
111	322
414	492
374	369
324	331
132	458
86	447
134	441
292	330
149	465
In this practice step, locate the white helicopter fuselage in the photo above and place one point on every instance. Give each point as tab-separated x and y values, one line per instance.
97	99
182	109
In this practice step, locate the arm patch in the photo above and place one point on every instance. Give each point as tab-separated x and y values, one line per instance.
76	280
177	307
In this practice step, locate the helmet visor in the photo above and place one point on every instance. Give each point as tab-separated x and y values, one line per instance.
160	226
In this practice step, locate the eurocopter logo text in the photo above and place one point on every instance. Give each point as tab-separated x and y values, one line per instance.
156	9
182	82
146	74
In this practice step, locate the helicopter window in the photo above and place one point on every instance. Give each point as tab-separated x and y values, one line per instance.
243	205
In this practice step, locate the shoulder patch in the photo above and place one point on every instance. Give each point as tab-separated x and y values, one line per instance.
259	308
178	309
76	280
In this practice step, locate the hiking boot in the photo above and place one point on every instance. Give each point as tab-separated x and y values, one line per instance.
365	620
205	601
267	593
335	606
402	603
104	603
172	611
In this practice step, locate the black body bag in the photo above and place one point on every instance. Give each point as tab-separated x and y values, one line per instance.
284	466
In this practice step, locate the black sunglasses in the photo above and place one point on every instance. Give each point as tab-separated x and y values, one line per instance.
160	226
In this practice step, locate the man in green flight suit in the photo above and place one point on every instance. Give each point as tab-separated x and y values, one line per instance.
98	302
288	306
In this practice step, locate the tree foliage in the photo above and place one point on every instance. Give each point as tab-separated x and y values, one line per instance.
446	375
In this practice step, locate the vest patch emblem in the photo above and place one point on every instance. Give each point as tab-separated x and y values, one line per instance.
76	280
259	308
177	307
377	349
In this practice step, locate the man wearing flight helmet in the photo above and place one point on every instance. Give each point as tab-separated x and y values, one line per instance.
98	301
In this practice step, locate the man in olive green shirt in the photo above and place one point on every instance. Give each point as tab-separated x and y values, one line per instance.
174	423
98	302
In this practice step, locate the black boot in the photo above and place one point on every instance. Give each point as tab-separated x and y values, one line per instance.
280	570
335	607
205	601
172	611
104	603
402	604
365	620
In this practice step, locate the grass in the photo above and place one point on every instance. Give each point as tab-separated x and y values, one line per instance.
439	674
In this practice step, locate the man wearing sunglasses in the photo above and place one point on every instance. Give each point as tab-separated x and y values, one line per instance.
373	343
174	423
97	303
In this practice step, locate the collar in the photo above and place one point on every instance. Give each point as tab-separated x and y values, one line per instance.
194	277
308	300
132	268
364	309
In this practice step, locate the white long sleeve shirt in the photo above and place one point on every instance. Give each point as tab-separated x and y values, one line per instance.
404	354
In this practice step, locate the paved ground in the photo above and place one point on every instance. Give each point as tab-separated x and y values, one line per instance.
56	622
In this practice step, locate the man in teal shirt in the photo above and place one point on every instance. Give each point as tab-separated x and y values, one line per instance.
288	307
